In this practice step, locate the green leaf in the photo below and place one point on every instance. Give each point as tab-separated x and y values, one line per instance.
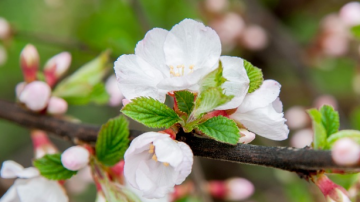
221	129
210	99
352	134
329	119
356	31
85	85
150	112
213	79
113	140
319	130
50	166
185	101
255	76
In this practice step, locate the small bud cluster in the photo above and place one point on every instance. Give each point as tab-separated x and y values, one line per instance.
234	189
35	94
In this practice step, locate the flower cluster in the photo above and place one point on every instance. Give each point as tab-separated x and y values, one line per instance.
187	58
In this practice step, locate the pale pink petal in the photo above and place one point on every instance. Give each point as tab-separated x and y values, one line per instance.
167	150
186	165
10	169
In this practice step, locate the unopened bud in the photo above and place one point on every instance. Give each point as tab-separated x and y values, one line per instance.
302	138
42	144
125	102
350	13
325	100
345	152
56	67
75	158
296	117
216	5
234	189
246	136
331	191
254	37
3	55
113	90
29	61
335	44
182	190
5	29
19	88
57	106
35	95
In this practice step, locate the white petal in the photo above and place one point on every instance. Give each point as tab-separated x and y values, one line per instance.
185	167
142	179
167	150
151	49
10	169
28	173
237	83
137	145
41	190
191	43
264	121
137	78
188	81
11	194
262	97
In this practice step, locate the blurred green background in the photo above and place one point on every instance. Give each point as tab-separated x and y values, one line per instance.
291	56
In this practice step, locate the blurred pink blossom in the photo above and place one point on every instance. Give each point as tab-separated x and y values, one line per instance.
302	138
57	106
350	13
325	100
35	95
254	37
345	152
5	29
296	117
216	5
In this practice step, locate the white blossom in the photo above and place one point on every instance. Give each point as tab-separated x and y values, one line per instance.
166	61
155	163
32	188
261	112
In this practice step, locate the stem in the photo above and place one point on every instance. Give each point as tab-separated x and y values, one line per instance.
298	160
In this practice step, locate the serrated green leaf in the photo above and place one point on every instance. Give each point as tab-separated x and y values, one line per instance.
356	31
352	134
329	119
50	166
213	79
150	112
319	130
185	101
255	76
84	85
209	99
221	129
113	140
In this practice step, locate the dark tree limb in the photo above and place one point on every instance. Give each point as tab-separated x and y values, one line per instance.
298	160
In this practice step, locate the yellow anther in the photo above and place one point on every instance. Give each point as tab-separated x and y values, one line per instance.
151	150
166	164
177	74
154	157
191	67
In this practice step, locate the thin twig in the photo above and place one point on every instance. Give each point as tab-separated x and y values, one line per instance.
286	158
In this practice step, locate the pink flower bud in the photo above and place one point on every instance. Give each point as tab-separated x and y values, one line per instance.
350	13
254	37
35	95
216	5
325	100
19	88
296	117
75	158
331	191
113	90
3	55
125	102
335	44
57	106
345	152
234	189
5	29
332	24
302	138
56	67
246	136
29	62
42	144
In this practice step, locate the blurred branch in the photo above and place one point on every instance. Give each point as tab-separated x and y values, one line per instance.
286	158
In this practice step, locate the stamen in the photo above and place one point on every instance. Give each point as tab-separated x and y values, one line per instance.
151	150
166	164
154	157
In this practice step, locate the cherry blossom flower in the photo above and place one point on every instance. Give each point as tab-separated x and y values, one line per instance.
345	152
261	112
155	163
32	187
35	95
166	61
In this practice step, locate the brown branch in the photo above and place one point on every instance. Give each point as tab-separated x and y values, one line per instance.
291	159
